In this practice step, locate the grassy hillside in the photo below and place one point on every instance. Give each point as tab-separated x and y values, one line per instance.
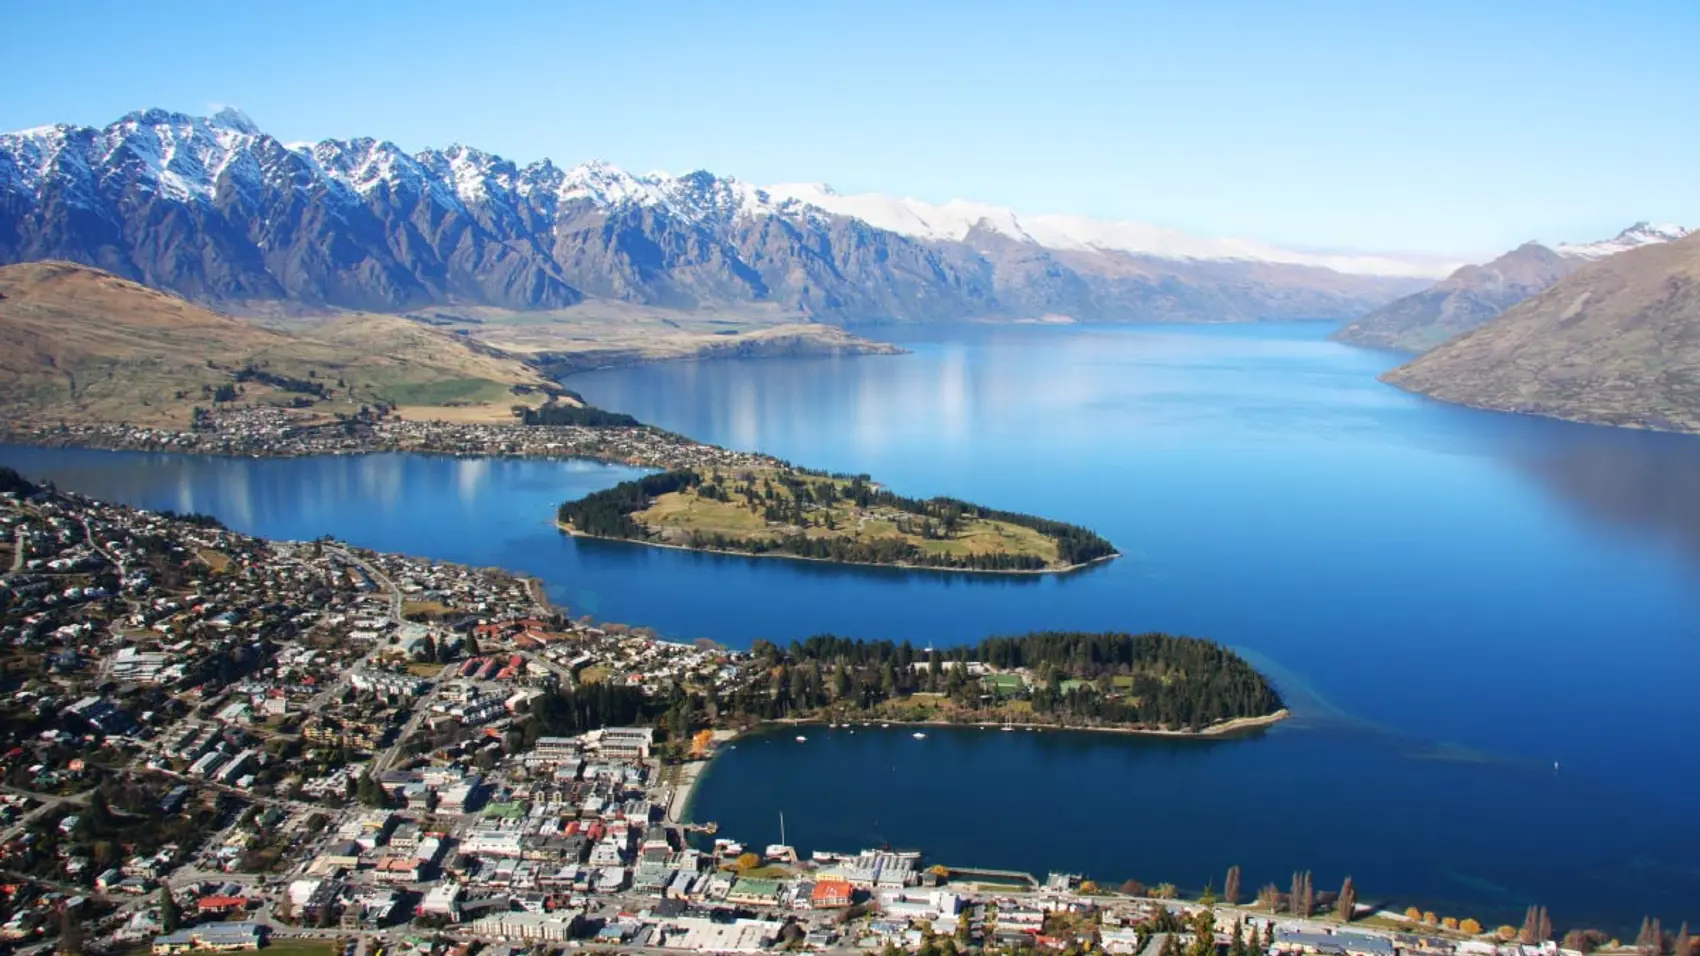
1616	343
80	344
786	511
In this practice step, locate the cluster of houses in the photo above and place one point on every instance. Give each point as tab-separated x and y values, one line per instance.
239	429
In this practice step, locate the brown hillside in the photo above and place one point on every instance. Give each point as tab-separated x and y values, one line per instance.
79	343
1616	343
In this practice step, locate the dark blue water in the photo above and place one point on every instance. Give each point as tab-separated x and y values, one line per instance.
1453	600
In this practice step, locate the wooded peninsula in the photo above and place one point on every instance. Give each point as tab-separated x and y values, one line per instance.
1151	683
782	510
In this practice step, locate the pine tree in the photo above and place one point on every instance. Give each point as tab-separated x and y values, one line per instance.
98	814
1231	886
1683	943
1543	926
1295	894
1532	925
70	934
169	915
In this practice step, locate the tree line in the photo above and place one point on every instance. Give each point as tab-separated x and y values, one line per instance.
585	416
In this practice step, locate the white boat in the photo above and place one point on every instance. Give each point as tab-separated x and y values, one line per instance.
1007	728
918	735
802	739
887	726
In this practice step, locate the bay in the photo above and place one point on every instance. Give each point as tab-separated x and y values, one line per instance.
1452	600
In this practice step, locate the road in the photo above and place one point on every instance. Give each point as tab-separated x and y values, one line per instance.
47	802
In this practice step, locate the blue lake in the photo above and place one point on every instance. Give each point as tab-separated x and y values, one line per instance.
1452	600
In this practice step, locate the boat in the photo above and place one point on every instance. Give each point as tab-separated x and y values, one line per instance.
918	735
1007	728
802	739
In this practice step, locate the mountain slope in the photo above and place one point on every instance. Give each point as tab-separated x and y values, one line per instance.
1465	300
1471	296
80	344
1616	343
219	212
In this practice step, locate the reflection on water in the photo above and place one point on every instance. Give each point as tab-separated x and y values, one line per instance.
1640	483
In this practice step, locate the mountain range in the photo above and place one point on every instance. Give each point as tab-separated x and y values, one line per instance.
1615	342
218	211
1474	294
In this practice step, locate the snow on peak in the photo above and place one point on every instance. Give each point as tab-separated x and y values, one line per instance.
232	118
950	222
1641	234
955	220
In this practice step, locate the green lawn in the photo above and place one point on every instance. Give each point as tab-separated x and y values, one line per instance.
443	391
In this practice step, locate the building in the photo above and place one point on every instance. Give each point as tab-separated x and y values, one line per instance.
625	743
747	892
443	900
1331	944
831	894
552	927
216	937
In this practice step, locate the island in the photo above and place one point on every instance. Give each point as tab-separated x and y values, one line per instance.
771	508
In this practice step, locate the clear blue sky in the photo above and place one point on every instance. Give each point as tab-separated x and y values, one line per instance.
1459	127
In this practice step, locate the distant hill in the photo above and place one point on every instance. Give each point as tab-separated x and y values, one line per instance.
77	343
1616	343
1474	294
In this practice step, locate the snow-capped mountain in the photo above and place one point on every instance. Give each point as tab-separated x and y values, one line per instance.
1636	236
215	209
958	220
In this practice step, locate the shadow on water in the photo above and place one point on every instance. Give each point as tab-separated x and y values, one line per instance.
1644	483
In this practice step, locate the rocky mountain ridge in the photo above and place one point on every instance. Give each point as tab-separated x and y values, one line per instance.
218	211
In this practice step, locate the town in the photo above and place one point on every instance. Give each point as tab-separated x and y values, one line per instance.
264	430
214	742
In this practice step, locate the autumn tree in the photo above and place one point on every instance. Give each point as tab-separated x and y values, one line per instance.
1133	888
1684	945
1165	891
1269	896
1468	925
1231	887
747	861
1347	906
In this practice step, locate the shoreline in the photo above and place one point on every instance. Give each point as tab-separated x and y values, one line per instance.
570	530
1221	729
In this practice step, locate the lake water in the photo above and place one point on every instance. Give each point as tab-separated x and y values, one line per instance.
1452	601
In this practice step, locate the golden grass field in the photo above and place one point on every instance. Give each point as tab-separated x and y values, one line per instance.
80	344
688	511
